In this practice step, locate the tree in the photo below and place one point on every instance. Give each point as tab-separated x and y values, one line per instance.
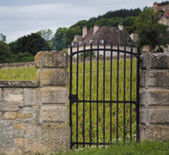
32	43
5	53
150	31
46	34
2	37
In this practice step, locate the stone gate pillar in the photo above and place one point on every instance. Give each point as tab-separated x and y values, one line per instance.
154	96
53	131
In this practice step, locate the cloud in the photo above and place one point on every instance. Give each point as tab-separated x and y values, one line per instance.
20	17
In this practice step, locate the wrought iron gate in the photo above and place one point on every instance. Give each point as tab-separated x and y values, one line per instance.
104	94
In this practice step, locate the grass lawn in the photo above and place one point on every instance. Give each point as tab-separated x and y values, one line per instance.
18	74
143	148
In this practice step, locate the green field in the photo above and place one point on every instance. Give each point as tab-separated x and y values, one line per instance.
18	74
129	109
143	148
28	74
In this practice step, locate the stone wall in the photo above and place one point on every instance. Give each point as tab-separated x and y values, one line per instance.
34	115
154	96
18	64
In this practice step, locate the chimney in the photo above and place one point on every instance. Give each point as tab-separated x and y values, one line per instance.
155	5
120	26
84	31
96	27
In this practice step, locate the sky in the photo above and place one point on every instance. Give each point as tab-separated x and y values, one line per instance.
22	17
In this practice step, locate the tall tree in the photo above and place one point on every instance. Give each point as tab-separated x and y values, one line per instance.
5	53
2	37
150	31
32	43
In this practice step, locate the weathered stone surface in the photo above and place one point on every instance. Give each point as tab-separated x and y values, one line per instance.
54	95
143	97
31	144
158	115
6	134
144	60
158	78
19	84
19	142
54	77
154	132
158	97
53	139
159	60
143	75
16	115
53	113
13	94
19	126
143	115
11	151
51	59
19	133
32	96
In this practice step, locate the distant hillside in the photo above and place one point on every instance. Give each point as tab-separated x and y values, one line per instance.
64	36
163	3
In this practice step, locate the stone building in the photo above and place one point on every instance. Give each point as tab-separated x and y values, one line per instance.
103	35
165	10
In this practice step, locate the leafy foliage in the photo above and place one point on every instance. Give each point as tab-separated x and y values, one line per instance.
150	31
64	36
2	37
4	52
32	43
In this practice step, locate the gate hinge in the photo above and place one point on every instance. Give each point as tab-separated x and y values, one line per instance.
73	98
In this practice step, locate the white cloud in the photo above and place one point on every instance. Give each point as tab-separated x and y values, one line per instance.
18	18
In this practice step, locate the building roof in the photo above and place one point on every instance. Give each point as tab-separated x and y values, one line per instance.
108	35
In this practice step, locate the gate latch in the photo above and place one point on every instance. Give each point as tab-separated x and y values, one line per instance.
73	98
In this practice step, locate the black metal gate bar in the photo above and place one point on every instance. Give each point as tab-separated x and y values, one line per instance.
90	95
124	97
131	93
111	65
77	127
97	95
77	87
137	96
84	96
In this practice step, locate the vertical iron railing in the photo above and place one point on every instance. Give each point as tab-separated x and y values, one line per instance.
102	94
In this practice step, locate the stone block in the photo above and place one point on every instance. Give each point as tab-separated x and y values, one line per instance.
159	78
143	77
158	97
54	95
31	143
8	106
150	132
13	99
19	126
53	113
32	96
51	59
158	115
6	134
19	142
143	97
53	139
19	133
11	151
143	115
159	60
16	115
54	77
144	60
